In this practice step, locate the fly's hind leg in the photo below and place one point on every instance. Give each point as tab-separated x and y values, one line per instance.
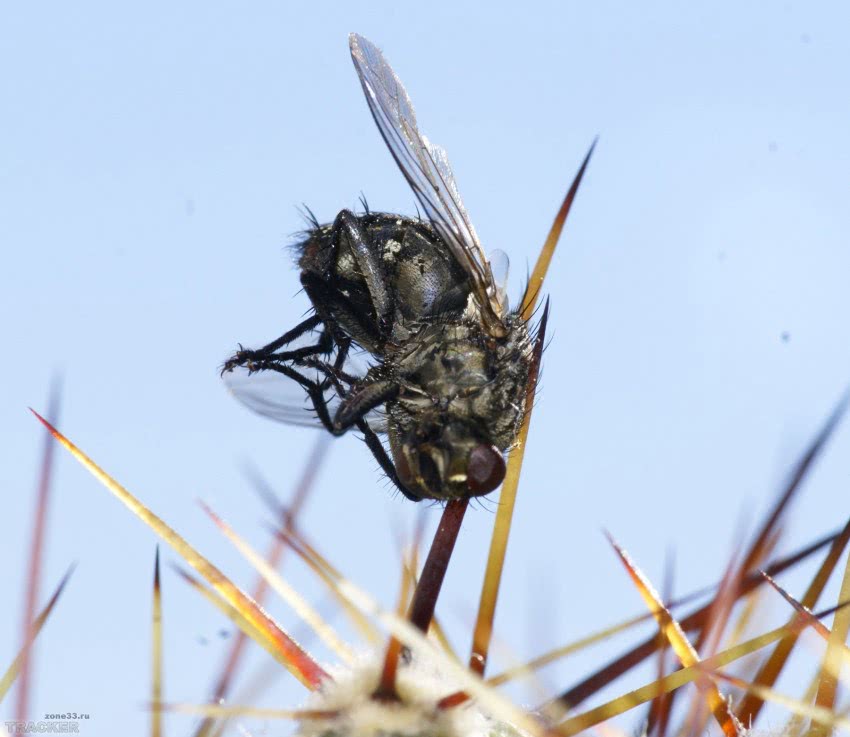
366	314
348	227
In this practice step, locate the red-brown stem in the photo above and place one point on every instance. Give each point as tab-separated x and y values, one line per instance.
36	555
425	597
274	555
427	592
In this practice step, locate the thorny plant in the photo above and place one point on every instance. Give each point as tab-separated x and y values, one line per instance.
414	683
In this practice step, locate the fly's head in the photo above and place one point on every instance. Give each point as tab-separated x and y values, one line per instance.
442	458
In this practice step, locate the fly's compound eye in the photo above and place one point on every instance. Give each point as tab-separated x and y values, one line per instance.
485	469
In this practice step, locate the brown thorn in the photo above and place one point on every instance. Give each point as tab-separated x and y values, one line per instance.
616	668
535	281
606	675
658	718
483	632
386	690
156	651
287	515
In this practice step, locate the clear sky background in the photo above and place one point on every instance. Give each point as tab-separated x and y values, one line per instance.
153	159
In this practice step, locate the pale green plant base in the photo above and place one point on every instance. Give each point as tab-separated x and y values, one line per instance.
420	685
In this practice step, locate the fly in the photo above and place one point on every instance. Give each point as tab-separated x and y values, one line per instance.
447	360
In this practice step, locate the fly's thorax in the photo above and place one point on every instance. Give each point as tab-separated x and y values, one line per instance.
461	403
455	369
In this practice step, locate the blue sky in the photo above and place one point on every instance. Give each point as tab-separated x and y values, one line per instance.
154	157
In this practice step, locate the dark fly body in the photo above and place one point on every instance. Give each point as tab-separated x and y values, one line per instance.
449	362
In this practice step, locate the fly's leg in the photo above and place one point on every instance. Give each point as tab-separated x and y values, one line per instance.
315	390
335	375
375	445
344	344
337	309
354	408
349	228
339	380
296	332
367	323
248	357
350	413
362	399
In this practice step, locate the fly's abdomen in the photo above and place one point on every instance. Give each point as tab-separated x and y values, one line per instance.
427	278
419	274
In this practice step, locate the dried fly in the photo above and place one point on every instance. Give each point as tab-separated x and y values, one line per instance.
448	361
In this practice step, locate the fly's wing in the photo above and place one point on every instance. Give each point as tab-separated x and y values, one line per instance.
500	267
280	398
426	168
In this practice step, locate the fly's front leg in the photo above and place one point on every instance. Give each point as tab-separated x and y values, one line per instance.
373	442
249	358
335	376
353	410
362	399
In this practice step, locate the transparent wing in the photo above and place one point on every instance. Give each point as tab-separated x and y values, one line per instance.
426	168
279	397
500	267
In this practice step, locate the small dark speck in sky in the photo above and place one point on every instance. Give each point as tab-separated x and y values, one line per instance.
772	146
805	38
786	336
